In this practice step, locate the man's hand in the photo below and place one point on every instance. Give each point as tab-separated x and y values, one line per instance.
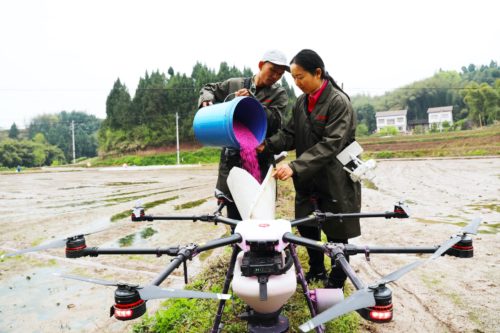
206	103
283	172
242	92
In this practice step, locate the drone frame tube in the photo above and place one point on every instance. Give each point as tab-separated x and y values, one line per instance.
225	289
351	249
189	252
204	218
324	217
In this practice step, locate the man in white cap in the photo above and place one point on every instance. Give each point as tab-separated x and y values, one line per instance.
263	87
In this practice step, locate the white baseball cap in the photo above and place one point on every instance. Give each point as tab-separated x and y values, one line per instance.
276	57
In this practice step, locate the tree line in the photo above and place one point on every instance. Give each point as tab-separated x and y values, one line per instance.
147	119
48	140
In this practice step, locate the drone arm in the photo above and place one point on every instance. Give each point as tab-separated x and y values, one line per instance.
312	244
351	249
387	215
324	217
226	220
204	218
333	250
193	218
184	253
95	251
336	252
188	252
235	238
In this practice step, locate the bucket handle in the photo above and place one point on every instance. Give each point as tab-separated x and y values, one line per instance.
252	94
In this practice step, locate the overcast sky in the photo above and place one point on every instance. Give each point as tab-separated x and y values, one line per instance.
66	55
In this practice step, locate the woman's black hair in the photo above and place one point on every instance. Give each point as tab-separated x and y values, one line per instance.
310	61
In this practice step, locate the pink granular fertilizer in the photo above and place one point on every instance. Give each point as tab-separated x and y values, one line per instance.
248	143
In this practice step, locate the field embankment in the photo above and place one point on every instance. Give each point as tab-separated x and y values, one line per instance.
477	142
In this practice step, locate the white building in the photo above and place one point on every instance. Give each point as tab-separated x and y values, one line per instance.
392	118
439	115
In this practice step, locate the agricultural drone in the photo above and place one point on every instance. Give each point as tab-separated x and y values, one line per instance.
264	268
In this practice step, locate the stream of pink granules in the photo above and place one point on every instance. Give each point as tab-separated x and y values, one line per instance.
248	143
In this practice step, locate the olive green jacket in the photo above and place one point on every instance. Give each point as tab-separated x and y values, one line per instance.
274	99
317	138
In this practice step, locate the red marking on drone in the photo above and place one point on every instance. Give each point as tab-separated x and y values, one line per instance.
458	247
129	305
264	225
77	248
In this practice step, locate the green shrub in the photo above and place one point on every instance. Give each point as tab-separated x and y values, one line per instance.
389	130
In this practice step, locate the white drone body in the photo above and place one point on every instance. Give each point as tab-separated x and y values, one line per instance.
256	204
362	170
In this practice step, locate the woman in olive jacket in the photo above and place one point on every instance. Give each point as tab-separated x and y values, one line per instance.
322	125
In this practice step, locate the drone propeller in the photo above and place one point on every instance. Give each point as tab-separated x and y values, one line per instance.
360	299
365	297
50	245
470	228
151	291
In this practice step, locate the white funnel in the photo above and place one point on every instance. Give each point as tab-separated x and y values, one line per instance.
253	200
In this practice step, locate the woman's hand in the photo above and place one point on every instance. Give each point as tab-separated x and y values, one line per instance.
283	172
260	148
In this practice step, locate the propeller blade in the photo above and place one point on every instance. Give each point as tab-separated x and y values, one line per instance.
397	274
155	292
472	227
445	246
81	278
51	245
360	299
92	232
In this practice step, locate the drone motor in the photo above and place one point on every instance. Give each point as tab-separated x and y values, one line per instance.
381	312
128	303
463	249
75	246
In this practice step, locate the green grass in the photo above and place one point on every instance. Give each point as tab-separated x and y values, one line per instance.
148	232
369	184
127	240
191	204
204	155
488	206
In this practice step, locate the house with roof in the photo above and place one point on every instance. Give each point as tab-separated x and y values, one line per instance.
439	115
396	118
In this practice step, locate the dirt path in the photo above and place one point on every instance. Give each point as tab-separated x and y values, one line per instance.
450	295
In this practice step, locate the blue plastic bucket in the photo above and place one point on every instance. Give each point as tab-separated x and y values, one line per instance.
213	125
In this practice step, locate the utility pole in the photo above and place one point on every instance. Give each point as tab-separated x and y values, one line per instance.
177	132
73	137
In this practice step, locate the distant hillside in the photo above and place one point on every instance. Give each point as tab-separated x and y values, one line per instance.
477	142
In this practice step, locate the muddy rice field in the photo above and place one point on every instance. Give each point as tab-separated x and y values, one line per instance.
448	295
